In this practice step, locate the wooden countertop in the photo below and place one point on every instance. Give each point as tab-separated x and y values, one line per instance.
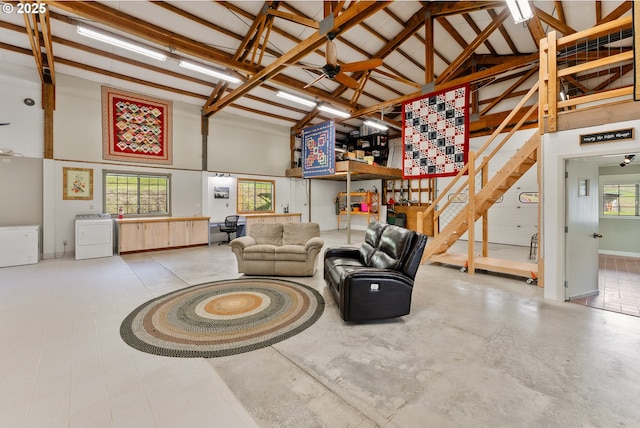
159	219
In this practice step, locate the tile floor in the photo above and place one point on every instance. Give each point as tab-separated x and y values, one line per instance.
618	286
476	350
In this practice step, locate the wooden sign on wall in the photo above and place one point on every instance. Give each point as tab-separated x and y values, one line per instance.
607	137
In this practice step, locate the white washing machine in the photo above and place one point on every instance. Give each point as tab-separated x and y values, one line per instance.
94	236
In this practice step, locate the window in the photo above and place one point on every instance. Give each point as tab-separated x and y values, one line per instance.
621	200
256	196
136	194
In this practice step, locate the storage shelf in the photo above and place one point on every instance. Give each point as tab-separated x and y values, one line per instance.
371	199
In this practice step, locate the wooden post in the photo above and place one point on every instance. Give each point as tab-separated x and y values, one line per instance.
429	51
204	131
552	95
48	105
349	206
471	212
485	216
542	84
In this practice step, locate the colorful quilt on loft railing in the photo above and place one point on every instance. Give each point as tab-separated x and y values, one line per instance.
136	128
318	149
435	133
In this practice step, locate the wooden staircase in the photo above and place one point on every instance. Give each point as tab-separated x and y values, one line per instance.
478	203
515	168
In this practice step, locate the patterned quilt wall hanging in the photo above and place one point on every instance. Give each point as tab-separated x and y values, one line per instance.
136	128
318	149
435	133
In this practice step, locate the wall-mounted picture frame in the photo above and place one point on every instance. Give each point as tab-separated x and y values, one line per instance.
220	192
77	183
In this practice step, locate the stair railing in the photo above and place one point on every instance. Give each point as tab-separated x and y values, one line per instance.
470	179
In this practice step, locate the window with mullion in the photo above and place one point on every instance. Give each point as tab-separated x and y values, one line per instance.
136	194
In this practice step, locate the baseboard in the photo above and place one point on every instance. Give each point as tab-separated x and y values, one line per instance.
582	296
619	253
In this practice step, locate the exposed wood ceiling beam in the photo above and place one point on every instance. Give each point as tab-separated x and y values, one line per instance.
358	48
444	8
492	13
476	77
472	46
410	27
556	24
294	18
286	81
560	9
116	19
477	30
512	88
617	13
535	28
452	31
350	17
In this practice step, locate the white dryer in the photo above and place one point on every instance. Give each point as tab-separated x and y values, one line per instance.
94	236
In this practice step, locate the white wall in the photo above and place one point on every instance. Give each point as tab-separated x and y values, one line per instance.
556	148
243	146
25	134
510	221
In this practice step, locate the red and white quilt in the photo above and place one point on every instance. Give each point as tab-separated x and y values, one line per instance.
435	133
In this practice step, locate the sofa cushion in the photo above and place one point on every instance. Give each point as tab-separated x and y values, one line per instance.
299	233
296	253
267	233
393	248
371	241
260	252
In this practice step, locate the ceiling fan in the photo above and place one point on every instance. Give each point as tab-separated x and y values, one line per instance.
335	71
5	123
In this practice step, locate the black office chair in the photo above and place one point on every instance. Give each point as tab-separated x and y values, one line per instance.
230	226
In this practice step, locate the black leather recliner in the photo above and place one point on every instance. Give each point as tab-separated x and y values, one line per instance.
375	281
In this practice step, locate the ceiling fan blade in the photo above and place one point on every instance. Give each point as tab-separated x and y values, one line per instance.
331	53
346	80
5	123
361	65
317	79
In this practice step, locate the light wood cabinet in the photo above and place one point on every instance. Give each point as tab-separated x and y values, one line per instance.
141	234
271	218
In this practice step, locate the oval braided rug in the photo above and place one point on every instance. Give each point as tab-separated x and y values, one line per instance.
222	318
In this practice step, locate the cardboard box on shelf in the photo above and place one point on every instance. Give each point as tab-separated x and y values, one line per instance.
359	154
350	155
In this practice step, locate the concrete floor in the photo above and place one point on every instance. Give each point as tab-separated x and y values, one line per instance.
476	351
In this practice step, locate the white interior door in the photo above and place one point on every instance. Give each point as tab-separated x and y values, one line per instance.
582	213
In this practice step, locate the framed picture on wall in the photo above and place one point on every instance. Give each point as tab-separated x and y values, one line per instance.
77	183
220	192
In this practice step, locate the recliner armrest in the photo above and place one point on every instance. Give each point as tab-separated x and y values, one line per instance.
243	242
315	242
377	274
343	252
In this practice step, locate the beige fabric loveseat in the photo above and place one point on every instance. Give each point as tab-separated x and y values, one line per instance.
279	249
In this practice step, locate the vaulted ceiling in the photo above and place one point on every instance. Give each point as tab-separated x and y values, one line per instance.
412	47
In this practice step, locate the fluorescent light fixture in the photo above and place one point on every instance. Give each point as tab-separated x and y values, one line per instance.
520	10
296	99
334	111
121	43
209	71
376	125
